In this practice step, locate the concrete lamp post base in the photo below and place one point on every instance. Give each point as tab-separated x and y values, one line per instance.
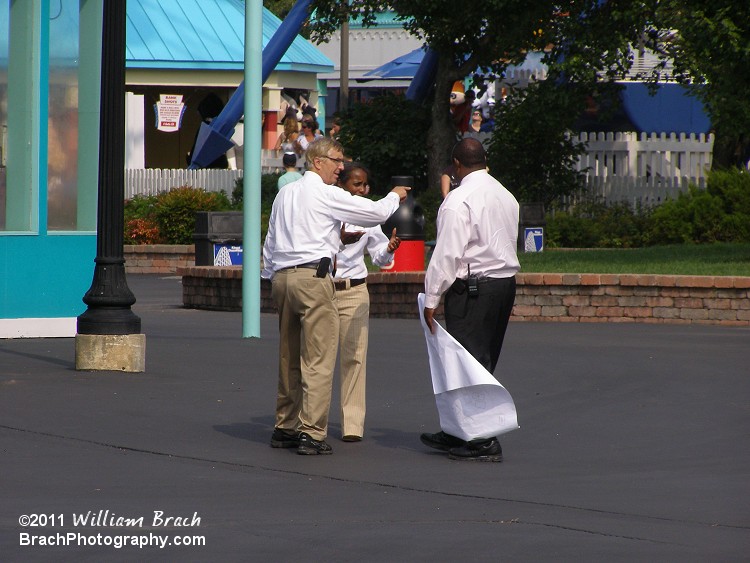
111	352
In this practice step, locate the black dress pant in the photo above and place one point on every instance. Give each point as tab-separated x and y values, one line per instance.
479	321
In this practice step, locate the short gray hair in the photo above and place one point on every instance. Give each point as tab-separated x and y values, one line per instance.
321	147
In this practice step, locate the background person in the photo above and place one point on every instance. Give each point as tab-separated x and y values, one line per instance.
304	232
333	133
292	174
475	124
309	133
353	301
474	264
448	180
286	140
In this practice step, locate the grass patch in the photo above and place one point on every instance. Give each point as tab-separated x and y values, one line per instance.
720	259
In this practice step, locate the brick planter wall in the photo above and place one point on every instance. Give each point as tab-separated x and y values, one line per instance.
633	298
721	300
158	258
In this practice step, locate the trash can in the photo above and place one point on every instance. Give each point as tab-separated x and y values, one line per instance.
409	222
531	227
218	238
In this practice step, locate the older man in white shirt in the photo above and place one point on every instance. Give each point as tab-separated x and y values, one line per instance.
302	241
474	264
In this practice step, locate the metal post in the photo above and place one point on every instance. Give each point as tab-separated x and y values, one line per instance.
344	67
109	298
253	105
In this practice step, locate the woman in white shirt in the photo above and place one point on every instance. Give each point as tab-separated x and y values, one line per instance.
353	302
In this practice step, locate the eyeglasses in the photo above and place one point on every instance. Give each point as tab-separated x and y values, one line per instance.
336	160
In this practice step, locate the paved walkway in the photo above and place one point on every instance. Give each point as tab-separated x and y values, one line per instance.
633	447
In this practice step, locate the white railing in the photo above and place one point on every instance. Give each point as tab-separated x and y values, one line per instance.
643	168
152	181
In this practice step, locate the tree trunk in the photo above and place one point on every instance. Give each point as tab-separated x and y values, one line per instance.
442	135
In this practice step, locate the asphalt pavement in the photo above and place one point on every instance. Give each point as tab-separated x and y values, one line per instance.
633	446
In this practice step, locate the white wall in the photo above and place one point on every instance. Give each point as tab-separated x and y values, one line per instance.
135	145
368	49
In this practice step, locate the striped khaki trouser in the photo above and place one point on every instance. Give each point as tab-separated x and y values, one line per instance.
308	335
354	315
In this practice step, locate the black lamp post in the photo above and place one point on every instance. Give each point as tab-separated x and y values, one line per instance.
109	298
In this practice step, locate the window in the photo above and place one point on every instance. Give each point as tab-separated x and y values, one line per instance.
62	118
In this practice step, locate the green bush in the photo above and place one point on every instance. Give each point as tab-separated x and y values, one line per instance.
172	212
429	201
388	135
139	207
268	191
175	211
597	225
531	150
719	213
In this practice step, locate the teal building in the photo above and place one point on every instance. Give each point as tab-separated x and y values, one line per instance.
50	53
49	123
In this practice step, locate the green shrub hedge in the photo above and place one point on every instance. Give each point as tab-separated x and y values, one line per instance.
720	213
169	218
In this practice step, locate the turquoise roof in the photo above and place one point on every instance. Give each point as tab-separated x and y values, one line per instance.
178	34
383	20
205	34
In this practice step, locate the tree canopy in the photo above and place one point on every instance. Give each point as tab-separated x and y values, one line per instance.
583	41
708	43
587	43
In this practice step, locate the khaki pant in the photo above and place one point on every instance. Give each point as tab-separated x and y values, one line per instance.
308	337
354	320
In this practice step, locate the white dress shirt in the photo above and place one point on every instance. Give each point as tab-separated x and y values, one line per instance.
350	262
306	217
477	229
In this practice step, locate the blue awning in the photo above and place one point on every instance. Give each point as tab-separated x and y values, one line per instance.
401	67
673	109
405	66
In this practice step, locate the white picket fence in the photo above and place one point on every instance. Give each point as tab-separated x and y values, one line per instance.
643	169
639	169
152	181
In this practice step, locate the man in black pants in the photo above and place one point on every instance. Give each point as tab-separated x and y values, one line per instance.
474	263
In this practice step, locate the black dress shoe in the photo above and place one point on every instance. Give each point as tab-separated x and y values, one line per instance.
441	441
308	446
284	438
351	438
478	450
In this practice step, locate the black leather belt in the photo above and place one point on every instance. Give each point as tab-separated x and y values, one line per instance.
342	285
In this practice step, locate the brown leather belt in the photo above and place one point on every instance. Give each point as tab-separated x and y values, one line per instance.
342	284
